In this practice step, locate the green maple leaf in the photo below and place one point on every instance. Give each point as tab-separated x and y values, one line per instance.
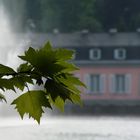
70	82
76	99
20	81
49	61
6	84
24	67
51	70
32	102
29	55
2	97
56	89
5	70
64	54
58	103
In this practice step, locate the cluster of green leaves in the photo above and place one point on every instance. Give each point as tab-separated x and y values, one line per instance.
51	70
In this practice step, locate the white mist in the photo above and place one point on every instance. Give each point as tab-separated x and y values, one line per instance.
11	45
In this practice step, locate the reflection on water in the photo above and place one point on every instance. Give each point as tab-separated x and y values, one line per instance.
83	128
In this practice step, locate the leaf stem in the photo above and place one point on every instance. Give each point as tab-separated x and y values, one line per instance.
27	87
18	73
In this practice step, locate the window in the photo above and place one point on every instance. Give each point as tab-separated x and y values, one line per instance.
95	54
95	83
120	54
120	83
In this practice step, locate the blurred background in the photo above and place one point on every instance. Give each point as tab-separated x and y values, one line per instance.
105	35
72	16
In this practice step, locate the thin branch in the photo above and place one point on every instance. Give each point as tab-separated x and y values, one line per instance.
18	73
27	87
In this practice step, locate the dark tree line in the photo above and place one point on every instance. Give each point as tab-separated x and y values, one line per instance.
75	15
121	14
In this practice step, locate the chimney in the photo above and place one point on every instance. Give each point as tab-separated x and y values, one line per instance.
84	31
138	30
113	31
56	31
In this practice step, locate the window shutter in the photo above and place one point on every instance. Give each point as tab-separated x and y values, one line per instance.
91	54
102	83
128	83
112	83
87	82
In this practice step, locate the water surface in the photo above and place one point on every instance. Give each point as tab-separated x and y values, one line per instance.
75	128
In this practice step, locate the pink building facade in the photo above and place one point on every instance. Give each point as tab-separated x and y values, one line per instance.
111	84
109	65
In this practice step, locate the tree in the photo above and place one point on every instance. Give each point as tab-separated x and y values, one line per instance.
121	14
74	15
69	16
48	68
87	16
50	15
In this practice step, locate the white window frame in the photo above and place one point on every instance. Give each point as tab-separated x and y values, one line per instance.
116	54
91	54
127	84
101	83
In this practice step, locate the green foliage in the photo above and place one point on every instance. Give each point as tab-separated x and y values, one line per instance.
73	15
52	71
69	16
95	15
5	70
2	97
32	102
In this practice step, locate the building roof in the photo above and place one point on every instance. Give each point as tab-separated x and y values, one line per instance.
85	40
82	43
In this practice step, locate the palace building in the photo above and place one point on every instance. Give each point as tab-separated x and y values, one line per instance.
109	64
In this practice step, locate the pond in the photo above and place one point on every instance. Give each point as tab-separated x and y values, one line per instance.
72	128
